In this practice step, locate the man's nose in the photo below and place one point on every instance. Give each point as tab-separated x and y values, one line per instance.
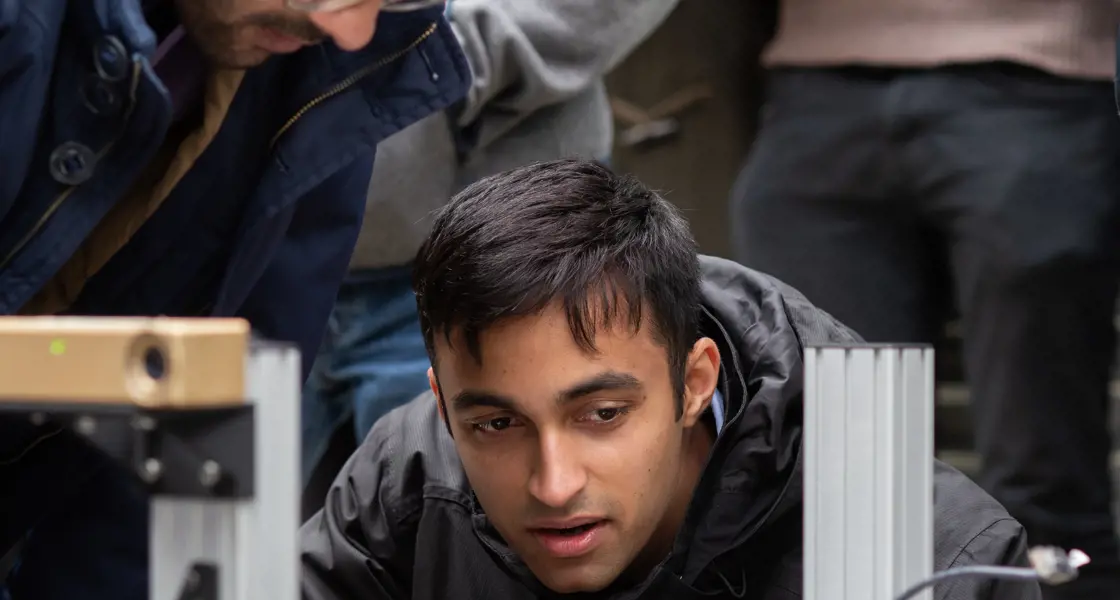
559	477
350	28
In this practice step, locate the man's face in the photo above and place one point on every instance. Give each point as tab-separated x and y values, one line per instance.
578	459
243	33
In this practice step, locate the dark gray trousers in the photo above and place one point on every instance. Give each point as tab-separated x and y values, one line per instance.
888	196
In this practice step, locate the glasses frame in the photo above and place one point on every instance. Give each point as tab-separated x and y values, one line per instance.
337	5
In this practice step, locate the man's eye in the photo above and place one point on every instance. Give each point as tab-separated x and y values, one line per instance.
493	425
499	423
606	415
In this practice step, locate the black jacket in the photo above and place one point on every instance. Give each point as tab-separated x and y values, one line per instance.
401	522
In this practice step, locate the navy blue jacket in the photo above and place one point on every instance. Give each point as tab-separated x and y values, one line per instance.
263	224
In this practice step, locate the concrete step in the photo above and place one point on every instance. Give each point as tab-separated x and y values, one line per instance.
953	417
950	362
969	462
953	420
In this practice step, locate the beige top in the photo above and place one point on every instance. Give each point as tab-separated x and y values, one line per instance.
1075	38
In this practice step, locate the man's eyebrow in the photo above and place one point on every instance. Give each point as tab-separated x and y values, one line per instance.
603	382
468	399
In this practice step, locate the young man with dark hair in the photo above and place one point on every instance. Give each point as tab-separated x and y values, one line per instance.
610	413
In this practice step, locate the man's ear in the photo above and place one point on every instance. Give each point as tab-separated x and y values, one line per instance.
434	384
701	375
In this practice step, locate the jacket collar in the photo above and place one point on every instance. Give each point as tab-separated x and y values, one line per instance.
753	476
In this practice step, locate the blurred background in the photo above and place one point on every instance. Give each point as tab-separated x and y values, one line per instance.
713	48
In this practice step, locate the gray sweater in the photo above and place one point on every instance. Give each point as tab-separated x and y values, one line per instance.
538	94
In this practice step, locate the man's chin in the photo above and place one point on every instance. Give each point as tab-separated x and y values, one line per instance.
584	578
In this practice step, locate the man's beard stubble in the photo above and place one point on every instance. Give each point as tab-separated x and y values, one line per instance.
217	39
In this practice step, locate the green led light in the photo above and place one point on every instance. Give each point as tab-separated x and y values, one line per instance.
57	347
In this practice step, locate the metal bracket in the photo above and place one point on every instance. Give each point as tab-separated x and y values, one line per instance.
187	453
201	583
196	453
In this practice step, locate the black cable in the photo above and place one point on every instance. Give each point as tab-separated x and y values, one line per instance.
980	571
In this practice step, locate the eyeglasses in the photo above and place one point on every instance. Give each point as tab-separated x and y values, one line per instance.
387	5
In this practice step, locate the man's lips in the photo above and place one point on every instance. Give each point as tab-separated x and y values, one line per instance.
280	43
569	538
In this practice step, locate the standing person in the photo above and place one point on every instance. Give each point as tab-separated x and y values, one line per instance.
538	94
910	147
611	415
182	157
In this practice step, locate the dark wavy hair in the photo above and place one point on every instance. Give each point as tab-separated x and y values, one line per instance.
570	231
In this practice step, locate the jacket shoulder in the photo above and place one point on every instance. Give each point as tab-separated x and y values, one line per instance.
972	528
749	292
406	458
366	540
416	459
813	325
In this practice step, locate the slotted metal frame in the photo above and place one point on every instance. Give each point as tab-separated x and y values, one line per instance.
868	444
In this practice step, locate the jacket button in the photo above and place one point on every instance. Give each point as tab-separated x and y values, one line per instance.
100	97
72	163
110	58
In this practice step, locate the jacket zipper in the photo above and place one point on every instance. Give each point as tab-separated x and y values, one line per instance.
351	80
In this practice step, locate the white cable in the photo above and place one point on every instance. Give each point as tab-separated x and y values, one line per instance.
1050	565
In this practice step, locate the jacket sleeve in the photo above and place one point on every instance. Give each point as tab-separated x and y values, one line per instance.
24	90
528	54
356	545
1004	542
293	298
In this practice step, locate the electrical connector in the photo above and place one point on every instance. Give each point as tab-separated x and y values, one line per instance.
1056	566
1049	565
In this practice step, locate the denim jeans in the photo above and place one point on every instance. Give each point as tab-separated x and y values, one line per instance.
371	361
887	195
